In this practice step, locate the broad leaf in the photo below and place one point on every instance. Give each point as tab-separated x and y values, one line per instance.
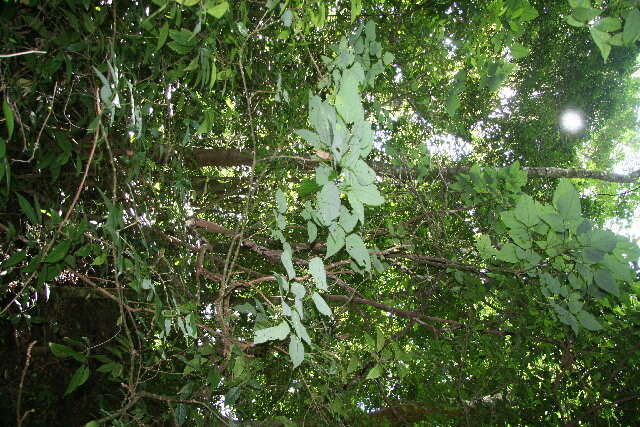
316	268
358	251
335	241
279	332
588	321
605	281
328	203
348	102
566	201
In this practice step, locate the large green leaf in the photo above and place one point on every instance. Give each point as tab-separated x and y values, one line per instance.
588	321
321	304
335	240
273	333
296	350
566	201
328	203
631	31
58	252
526	211
316	268
358	251
605	281
348	101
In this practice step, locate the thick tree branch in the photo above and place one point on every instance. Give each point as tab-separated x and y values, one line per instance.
218	157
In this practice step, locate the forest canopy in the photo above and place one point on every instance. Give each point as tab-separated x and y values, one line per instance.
319	212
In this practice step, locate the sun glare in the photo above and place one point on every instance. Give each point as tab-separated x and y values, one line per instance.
572	121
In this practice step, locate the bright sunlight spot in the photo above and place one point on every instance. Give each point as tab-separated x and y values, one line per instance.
572	121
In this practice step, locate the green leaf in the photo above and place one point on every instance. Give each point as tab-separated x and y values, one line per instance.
348	103
62	351
588	321
507	253
301	331
602	41
14	259
298	290
519	51
605	281
287	262
585	14
335	240
566	317
79	377
218	10
328	203
312	231
8	116
162	35
631	31
316	268
323	174
573	22
358	251
526	211
365	194
279	332
363	173
347	220
388	58
307	187
58	252
485	248
296	350
375	372
281	201
321	304
287	18
579	3
311	137
592	255
603	239
608	24
566	201
28	210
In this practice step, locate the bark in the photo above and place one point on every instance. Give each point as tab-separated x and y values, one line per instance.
200	157
217	157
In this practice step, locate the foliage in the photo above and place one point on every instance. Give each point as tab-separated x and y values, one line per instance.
311	212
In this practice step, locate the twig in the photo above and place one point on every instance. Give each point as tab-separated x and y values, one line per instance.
26	52
44	124
20	418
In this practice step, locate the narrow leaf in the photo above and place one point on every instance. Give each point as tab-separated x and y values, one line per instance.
79	377
321	304
8	115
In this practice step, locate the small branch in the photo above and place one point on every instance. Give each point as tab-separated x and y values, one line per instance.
26	52
21	417
408	314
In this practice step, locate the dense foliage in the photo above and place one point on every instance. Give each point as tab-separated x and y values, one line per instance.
317	213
